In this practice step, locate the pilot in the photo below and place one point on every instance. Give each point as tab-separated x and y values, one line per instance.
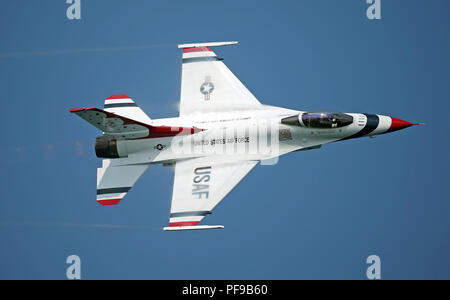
334	123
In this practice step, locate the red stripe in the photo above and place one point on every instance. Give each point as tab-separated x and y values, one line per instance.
166	131
188	223
76	109
109	201
196	49
113	97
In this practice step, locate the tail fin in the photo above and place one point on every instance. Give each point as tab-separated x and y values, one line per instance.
124	106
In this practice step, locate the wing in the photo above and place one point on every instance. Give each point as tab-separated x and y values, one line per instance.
199	185
207	85
114	182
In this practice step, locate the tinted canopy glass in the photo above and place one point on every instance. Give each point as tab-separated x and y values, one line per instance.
326	120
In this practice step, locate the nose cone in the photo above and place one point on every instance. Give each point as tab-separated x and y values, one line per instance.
398	124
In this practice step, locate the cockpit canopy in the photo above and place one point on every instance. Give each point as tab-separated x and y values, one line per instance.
319	120
326	120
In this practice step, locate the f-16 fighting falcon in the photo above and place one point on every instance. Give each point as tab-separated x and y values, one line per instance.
221	134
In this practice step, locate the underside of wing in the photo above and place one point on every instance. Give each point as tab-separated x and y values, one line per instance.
199	185
207	85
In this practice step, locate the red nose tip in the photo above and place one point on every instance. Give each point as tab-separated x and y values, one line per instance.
398	124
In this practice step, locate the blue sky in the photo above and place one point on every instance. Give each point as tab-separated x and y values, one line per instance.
315	215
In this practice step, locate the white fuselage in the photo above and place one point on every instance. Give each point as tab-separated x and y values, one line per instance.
244	135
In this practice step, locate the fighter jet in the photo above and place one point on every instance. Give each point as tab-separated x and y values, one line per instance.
221	134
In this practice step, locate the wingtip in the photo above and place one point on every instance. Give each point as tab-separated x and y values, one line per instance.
116	97
210	44
72	110
105	202
198	227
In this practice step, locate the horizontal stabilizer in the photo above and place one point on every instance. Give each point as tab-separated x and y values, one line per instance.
114	182
198	227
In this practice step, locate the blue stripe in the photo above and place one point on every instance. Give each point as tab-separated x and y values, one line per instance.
371	125
116	190
190	213
119	105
